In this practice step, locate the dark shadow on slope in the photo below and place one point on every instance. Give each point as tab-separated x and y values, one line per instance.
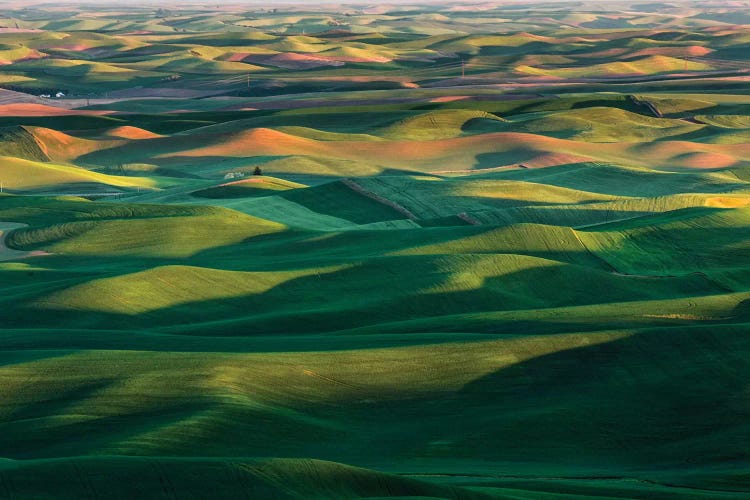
25	440
515	156
663	400
268	479
634	406
615	180
393	291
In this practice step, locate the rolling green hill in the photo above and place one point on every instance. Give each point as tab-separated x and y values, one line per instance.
412	250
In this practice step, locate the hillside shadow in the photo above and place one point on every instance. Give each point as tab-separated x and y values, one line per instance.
643	399
83	436
608	404
617	181
326	302
80	189
563	215
59	401
700	135
508	158
341	300
13	357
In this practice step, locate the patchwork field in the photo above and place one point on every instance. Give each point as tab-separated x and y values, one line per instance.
434	250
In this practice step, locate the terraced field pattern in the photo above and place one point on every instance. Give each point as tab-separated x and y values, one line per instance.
477	250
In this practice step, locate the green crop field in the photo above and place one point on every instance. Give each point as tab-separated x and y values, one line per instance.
464	250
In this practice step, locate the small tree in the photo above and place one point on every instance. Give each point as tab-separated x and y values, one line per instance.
257	171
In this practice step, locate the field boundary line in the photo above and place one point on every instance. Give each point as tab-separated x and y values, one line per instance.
376	197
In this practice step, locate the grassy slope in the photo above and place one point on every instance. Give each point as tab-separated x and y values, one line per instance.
522	278
573	328
623	293
418	407
27	175
255	186
143	232
282	479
